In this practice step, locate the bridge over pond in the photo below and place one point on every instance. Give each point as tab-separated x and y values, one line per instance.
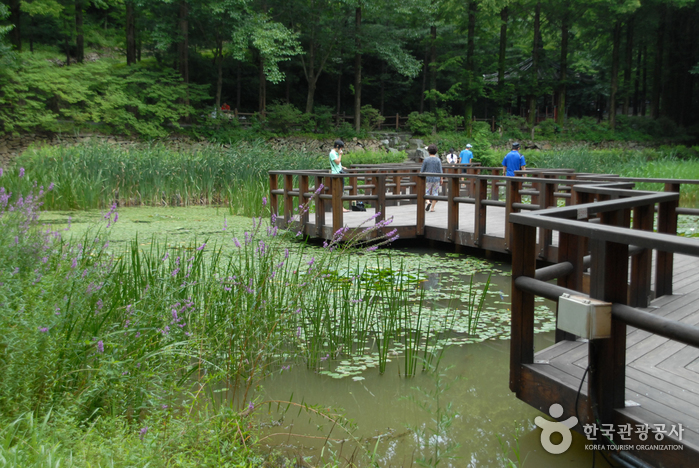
598	238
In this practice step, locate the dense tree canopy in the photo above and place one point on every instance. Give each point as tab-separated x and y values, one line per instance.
475	58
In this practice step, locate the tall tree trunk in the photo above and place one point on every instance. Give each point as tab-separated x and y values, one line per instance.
616	39
531	118
357	69
644	89
32	22
183	46
238	84
130	33
470	64
79	37
637	83
433	66
425	70
262	90
504	13
311	78
66	43
658	65
16	19
339	95
219	67
628	66
560	116
383	87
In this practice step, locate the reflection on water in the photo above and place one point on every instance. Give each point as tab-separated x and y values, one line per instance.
482	403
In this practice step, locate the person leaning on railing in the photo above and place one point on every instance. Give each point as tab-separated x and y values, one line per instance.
513	161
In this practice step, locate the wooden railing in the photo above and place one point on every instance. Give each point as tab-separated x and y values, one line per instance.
611	237
382	186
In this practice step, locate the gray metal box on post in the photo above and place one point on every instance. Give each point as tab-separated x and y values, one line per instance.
588	318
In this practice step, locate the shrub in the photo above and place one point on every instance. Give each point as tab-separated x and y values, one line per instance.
514	127
323	118
283	117
373	157
421	124
547	129
371	118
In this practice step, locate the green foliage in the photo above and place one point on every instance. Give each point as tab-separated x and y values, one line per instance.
95	176
371	118
373	157
323	118
136	100
514	127
283	117
547	129
421	124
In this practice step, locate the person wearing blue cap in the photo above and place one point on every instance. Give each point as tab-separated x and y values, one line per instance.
513	161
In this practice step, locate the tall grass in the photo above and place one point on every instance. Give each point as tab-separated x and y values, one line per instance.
98	175
664	163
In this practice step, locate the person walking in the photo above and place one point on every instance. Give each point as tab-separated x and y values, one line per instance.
432	164
513	161
466	155
452	157
336	162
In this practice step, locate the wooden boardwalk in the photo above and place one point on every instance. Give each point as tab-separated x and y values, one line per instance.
662	375
602	240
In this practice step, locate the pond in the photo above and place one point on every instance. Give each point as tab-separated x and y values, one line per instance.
461	413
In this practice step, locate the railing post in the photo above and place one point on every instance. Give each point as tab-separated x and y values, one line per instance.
303	189
494	187
639	290
288	199
381	193
320	206
522	320
570	249
607	357
273	198
667	224
512	196
337	190
420	189
480	210
452	208
546	200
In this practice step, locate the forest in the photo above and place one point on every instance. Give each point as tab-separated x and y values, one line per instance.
140	66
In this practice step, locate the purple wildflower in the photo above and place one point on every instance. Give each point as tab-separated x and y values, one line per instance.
225	223
372	248
235	240
143	432
43	330
264	201
202	247
298	332
100	347
21	172
251	406
74	264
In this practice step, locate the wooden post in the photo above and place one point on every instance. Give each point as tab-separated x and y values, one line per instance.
273	198
667	224
452	208
420	185
570	249
337	190
513	196
545	200
640	292
397	121
303	189
494	188
480	210
522	321
607	357
320	206
381	193
288	199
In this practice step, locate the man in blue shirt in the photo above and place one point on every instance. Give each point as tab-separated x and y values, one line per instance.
513	161
466	155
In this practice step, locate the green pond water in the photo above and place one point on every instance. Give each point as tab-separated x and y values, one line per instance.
483	420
